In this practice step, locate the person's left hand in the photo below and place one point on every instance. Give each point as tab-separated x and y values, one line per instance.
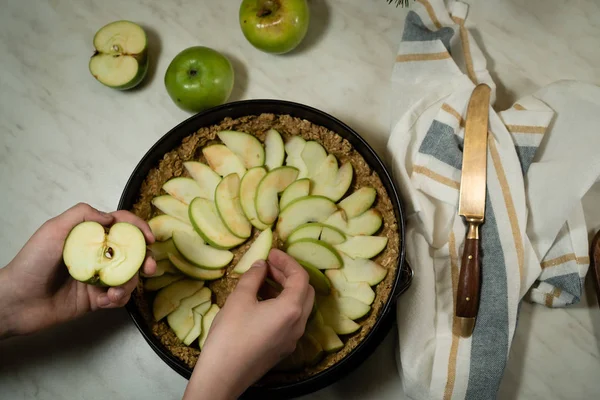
37	290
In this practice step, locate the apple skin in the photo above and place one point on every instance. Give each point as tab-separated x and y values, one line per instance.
199	78
274	26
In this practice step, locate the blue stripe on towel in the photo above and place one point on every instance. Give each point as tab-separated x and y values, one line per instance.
570	283
416	31
440	142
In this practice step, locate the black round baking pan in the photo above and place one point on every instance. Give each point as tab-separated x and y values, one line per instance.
403	279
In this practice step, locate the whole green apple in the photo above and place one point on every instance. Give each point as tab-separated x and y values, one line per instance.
274	26
199	78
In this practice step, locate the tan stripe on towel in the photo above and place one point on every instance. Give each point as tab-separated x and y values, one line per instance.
519	107
551	296
464	38
423	57
526	129
510	205
431	13
446	107
420	169
564	259
455	326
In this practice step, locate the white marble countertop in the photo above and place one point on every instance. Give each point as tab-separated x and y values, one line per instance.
65	138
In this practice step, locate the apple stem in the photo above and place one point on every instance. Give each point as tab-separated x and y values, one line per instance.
267	7
193	72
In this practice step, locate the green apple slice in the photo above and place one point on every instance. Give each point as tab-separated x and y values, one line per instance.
223	161
336	188
293	148
162	267
362	270
196	330
209	225
332	316
325	335
313	155
295	190
316	279
173	207
325	173
274	150
259	250
163	225
121	57
206	178
363	246
293	362
317	230
248	187
183	189
160	250
312	351
191	271
365	224
193	249
93	256
275	182
207	321
316	253
247	147
154	284
332	235
303	210
347	306
168	298
359	290
227	201
181	320
358	202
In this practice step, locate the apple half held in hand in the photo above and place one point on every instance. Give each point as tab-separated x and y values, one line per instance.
107	259
121	58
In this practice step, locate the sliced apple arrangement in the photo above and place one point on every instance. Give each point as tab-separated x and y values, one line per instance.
294	192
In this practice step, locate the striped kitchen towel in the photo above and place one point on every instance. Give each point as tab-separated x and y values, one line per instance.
542	159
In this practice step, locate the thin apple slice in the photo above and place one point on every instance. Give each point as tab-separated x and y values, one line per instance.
107	259
163	225
338	187
205	177
168	299
160	250
363	246
362	270
227	201
295	190
173	207
274	150
181	320
209	225
312	351
316	253
275	182
325	173
325	335
365	224
154	284
303	210
248	187
317	230
293	148
191	271
196	330
316	279
332	316
332	235
223	161
259	250
162	267
359	290
193	249
347	306
313	155
183	189
207	321
247	147
358	202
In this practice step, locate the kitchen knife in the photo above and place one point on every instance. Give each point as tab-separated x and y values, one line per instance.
472	206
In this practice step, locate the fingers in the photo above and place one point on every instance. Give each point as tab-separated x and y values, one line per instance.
309	302
126	216
290	275
252	280
117	296
80	213
149	266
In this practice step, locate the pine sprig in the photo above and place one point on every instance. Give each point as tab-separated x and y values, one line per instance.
403	3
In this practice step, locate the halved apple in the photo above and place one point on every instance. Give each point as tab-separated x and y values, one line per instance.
275	182
332	316
223	161
183	189
317	230
160	250
363	246
194	272
303	210
324	334
359	290
196	330
248	187
274	150
207	321
93	256
154	284
259	250
227	201
295	190
316	253
162	267
209	225
313	155
181	320
168	298
365	224
362	270
205	177
247	147
173	207
316	279
336	188
193	249
358	202
163	225
293	148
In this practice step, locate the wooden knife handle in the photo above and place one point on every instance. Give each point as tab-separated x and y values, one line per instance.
469	282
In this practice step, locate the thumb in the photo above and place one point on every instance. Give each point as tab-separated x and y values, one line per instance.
252	279
80	213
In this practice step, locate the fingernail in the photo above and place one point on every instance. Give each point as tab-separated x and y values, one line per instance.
103	300
117	294
259	264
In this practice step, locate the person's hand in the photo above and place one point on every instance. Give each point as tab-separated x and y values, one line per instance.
36	290
248	337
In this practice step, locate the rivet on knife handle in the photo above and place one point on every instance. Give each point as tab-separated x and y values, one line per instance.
467	296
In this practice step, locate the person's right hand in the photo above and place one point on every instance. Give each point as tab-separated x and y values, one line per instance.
248	337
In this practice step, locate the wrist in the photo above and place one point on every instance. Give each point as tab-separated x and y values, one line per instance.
213	378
